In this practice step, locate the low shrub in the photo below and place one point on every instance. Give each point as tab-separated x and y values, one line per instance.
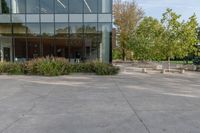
196	61
105	69
48	66
2	67
95	67
86	67
11	68
51	66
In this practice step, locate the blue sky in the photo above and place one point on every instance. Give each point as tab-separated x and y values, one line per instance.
155	8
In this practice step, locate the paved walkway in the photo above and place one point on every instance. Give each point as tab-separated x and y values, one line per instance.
127	103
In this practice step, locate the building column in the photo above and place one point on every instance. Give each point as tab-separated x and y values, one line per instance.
1	50
105	6
105	48
0	7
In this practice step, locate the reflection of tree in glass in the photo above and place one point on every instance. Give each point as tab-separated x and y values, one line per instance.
62	30
90	29
80	30
5	29
19	29
5	8
46	34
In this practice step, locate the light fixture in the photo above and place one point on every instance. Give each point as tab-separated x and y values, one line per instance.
87	6
61	3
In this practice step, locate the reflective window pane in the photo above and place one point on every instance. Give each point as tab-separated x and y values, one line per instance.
105	17
20	49
5	6
47	6
5	29
18	6
30	18
18	18
47	29
33	29
61	6
6	49
90	27
90	41
32	6
34	47
61	29
90	6
61	17
19	29
90	17
76	18
5	18
61	48
76	28
47	18
48	47
76	6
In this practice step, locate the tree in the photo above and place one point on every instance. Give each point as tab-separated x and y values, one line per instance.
198	46
198	30
172	25
179	38
126	17
147	42
188	38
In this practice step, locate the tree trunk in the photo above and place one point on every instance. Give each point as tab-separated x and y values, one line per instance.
169	63
123	55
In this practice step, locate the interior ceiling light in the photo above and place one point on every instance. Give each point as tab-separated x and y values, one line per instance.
87	6
61	3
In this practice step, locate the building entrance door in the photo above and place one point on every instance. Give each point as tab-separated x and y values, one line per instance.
76	51
5	49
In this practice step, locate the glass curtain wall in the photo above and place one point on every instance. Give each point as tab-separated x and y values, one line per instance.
61	6
75	29
32	6
76	42
5	31
90	41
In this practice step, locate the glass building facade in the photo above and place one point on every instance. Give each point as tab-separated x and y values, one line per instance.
74	29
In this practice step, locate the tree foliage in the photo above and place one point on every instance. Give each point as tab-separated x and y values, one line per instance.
165	39
198	30
147	41
126	17
171	35
180	37
189	37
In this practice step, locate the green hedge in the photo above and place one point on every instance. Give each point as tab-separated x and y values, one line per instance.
11	68
50	66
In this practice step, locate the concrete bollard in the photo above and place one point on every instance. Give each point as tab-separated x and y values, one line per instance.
182	71
194	68
163	71
144	70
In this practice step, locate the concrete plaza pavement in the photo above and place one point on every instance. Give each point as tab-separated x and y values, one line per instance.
126	103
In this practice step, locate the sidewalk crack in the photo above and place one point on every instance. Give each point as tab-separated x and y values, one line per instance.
132	108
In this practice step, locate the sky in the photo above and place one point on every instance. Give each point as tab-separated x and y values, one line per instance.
155	8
